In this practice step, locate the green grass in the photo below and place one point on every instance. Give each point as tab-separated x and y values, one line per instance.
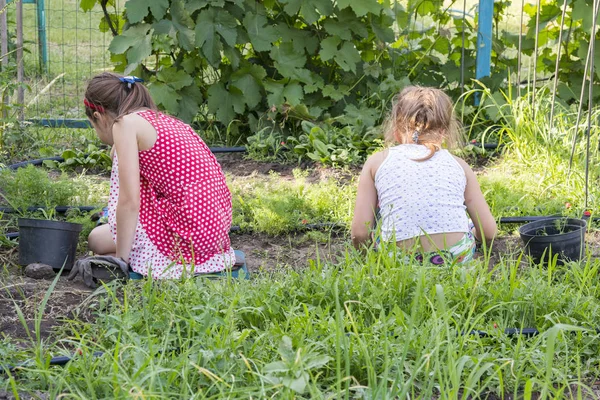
275	205
366	326
369	326
534	175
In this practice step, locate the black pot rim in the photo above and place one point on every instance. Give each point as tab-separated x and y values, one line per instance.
577	223
49	224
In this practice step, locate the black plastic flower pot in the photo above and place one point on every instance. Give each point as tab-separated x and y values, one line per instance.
551	236
48	242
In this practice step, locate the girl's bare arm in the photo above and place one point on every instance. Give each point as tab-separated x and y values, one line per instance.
477	207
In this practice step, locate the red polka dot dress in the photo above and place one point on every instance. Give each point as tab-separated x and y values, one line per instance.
185	205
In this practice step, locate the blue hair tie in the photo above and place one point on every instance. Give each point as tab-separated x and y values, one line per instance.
129	80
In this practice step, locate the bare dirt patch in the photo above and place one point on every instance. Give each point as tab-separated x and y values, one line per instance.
237	165
20	293
264	252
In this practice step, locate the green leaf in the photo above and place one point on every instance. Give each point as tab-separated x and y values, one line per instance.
299	38
382	27
189	105
87	5
311	10
359	116
225	103
177	79
158	7
293	93
315	83
226	26
183	22
248	80
279	94
233	56
193	6
345	24
320	147
207	40
210	23
373	70
165	95
583	11
329	47
250	88
139	52
180	15
164	27
335	93
361	7
136	10
186	37
287	59
261	33
117	21
426	7
442	45
348	57
132	36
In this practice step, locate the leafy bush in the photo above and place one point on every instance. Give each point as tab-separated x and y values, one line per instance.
330	145
91	158
226	62
324	144
267	145
241	60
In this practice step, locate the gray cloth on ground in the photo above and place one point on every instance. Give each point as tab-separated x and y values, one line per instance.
103	268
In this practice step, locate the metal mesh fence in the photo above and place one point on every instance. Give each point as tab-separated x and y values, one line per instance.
76	50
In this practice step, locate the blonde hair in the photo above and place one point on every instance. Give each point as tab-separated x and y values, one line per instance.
426	114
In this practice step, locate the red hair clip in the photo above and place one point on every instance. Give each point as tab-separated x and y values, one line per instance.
93	106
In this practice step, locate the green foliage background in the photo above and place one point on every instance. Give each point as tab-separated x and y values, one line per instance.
246	62
243	64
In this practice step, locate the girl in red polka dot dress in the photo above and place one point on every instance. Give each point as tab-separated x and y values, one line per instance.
169	211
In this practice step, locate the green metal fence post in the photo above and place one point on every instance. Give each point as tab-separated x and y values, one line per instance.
42	38
484	40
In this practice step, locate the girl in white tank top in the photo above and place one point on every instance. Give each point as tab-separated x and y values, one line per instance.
423	194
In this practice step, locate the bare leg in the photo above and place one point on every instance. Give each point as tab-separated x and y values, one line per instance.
100	241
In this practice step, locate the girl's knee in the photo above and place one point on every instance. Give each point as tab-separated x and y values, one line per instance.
100	240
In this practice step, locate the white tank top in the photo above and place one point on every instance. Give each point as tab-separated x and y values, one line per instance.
418	197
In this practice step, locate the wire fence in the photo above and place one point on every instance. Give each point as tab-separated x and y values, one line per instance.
76	50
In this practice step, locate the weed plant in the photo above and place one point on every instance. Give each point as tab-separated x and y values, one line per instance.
533	175
371	325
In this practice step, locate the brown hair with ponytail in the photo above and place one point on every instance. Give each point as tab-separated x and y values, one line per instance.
425	114
106	92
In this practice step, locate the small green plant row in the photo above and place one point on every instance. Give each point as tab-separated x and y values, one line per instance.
325	144
92	158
